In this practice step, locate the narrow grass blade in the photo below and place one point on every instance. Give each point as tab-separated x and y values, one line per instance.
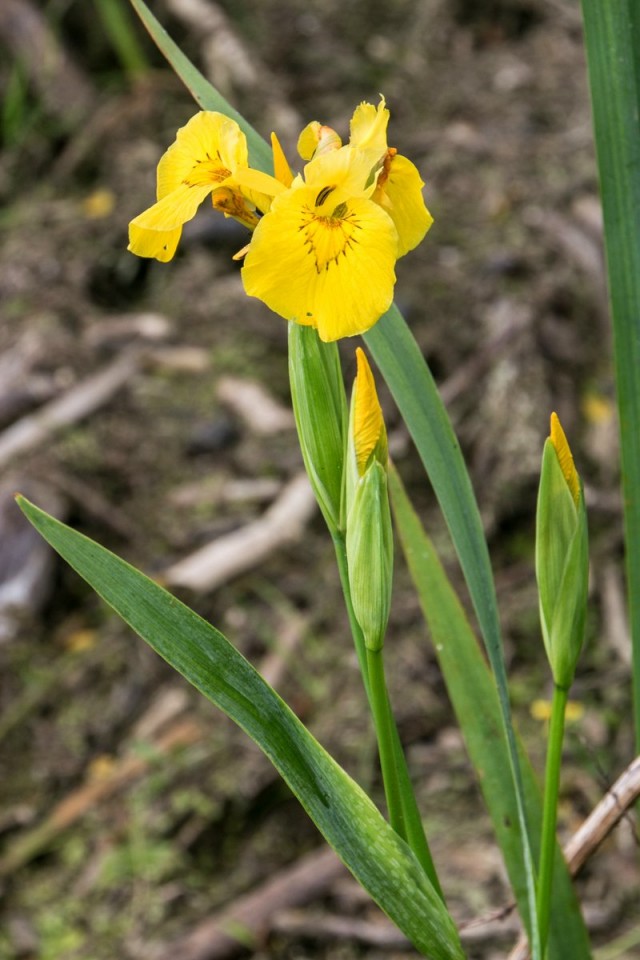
475	701
116	20
204	93
345	815
612	37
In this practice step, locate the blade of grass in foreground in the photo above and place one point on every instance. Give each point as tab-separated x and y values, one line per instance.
345	815
474	699
612	37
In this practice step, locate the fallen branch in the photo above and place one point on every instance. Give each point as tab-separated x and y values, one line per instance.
244	549
76	804
76	404
377	933
249	400
249	918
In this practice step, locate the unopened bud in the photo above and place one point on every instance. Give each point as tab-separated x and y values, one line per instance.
370	555
562	557
369	530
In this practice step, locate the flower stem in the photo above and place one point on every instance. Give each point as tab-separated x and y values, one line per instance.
550	810
411	822
383	721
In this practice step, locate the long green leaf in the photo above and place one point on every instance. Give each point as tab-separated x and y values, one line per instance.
473	695
345	815
612	37
203	92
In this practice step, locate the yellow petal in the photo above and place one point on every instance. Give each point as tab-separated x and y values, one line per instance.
173	210
209	139
561	446
281	168
369	127
159	244
156	231
399	192
258	187
347	169
368	424
327	265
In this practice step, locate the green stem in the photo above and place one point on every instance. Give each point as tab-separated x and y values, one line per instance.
550	810
412	821
383	721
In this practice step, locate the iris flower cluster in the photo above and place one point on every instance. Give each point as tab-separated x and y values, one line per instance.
325	242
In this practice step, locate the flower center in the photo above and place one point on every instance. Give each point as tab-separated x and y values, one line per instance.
328	236
206	171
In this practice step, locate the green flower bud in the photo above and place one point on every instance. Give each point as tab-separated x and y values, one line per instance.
562	556
320	410
370	554
369	531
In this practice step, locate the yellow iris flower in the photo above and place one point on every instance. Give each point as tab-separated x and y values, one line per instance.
323	254
207	154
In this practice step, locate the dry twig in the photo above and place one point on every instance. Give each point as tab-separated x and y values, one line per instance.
76	804
244	549
249	918
249	399
76	404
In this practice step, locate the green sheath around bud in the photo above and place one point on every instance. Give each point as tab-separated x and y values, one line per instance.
562	558
370	555
320	410
369	530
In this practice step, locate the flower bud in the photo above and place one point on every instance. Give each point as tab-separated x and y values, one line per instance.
317	139
369	531
367	432
562	558
370	555
320	410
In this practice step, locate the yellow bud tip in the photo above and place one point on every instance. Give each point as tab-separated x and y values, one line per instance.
563	451
368	423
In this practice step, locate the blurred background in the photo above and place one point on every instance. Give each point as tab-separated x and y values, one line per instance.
148	406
